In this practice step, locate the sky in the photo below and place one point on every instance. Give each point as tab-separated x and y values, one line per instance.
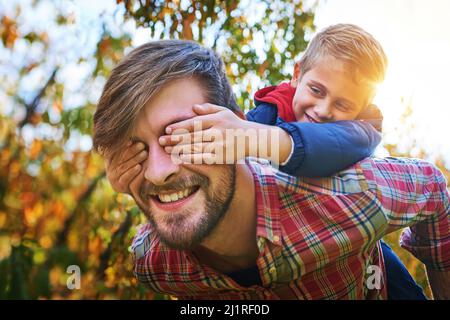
414	33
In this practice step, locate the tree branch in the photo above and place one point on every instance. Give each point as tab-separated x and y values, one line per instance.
62	236
31	107
106	254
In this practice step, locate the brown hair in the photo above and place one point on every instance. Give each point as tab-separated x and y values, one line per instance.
144	72
352	45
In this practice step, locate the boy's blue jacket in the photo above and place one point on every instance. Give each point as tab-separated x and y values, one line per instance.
320	149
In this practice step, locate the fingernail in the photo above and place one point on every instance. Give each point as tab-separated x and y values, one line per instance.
168	130
162	140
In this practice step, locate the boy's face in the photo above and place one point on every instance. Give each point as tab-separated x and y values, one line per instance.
327	92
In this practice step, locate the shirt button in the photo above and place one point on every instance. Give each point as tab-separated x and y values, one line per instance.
272	270
276	238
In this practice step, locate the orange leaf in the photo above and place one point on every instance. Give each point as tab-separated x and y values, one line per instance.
35	149
58	106
8	31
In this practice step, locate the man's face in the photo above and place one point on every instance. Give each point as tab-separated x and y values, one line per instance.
183	202
328	92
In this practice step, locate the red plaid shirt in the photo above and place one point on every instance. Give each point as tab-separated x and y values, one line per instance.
318	238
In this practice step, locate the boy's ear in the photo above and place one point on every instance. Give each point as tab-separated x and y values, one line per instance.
296	75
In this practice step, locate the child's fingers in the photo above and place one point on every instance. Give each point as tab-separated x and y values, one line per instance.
107	163
199	158
193	124
129	175
184	139
207	108
132	162
132	151
194	148
127	154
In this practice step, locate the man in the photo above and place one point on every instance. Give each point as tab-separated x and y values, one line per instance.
248	231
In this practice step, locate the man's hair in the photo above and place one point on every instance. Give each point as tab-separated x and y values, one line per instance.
142	74
352	45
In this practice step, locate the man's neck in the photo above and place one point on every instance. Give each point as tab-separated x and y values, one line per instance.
232	245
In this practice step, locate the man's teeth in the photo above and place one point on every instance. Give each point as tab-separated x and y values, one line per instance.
171	197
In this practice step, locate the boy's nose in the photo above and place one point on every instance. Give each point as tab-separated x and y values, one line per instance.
159	167
324	111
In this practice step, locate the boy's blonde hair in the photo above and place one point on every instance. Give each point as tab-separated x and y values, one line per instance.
352	45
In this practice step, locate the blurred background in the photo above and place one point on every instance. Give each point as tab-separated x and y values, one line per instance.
56	207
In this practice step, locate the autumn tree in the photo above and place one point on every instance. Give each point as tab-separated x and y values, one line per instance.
56	207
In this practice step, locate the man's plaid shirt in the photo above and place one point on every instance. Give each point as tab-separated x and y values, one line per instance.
318	238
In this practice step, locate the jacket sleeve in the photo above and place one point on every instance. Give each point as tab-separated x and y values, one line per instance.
264	113
322	149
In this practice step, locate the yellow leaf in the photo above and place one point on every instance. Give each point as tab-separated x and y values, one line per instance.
46	242
58	106
33	214
5	247
2	219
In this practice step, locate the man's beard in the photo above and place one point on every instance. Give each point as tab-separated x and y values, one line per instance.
187	229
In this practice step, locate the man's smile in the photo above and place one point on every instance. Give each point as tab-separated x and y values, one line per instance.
171	200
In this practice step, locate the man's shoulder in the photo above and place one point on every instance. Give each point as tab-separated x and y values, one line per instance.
351	180
364	175
396	175
400	166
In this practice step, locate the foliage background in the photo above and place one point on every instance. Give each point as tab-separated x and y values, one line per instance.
56	207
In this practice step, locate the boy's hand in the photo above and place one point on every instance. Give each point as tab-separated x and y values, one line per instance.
206	137
218	136
123	167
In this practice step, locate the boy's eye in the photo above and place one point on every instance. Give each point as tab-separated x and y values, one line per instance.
342	106
315	90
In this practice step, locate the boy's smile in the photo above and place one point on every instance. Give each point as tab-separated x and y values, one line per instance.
328	92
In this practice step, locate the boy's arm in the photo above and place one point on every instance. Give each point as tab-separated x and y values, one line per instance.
412	193
311	149
322	149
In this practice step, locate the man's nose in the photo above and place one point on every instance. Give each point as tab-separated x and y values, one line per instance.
323	111
159	167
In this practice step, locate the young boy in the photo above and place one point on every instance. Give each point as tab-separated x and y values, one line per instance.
335	80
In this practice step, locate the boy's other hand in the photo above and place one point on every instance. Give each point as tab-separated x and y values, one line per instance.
123	167
373	115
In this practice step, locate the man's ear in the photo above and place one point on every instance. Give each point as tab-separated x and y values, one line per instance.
296	75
